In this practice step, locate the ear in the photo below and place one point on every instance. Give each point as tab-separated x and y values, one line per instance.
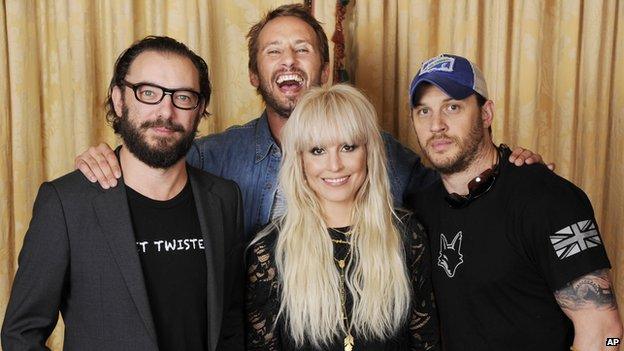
443	243
117	100
487	113
325	73
254	79
456	244
200	115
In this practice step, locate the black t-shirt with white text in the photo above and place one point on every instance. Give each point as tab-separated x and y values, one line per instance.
498	261
171	249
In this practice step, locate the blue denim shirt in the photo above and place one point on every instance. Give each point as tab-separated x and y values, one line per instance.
249	156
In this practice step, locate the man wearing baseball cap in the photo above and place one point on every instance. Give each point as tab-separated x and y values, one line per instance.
518	262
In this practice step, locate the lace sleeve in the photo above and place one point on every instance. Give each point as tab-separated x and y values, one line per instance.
262	298
423	324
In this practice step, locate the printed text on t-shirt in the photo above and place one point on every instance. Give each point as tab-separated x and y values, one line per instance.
170	245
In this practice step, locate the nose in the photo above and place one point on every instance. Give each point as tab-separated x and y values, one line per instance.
438	124
288	58
165	107
335	161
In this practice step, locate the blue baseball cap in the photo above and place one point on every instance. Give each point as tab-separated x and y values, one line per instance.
455	75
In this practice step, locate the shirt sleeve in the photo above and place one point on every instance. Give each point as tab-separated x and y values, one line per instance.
563	237
261	302
206	153
423	322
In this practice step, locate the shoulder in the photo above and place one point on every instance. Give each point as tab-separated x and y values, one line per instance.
210	151
536	185
232	134
73	185
63	203
265	237
394	148
403	216
389	139
415	242
411	228
261	248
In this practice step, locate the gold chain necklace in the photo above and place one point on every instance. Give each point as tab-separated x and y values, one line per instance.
346	234
342	264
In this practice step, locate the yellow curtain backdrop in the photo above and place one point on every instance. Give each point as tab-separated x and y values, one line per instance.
551	66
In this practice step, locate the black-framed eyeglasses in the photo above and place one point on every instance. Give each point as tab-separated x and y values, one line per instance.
153	94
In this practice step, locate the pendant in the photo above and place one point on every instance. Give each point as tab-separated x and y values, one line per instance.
341	264
348	342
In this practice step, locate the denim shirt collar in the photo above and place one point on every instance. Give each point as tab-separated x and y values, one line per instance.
264	139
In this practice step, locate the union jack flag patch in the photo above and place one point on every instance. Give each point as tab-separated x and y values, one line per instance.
575	238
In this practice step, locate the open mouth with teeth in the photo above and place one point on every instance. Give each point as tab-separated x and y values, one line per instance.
336	181
289	82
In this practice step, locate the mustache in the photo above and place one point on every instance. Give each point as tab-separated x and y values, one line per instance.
440	137
163	123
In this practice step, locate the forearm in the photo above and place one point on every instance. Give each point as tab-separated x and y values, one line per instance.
592	333
591	305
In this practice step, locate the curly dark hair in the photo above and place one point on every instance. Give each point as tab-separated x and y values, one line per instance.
289	10
158	44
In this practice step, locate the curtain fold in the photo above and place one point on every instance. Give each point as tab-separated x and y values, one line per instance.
7	231
553	69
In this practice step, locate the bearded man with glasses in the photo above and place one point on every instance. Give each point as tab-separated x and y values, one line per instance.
155	263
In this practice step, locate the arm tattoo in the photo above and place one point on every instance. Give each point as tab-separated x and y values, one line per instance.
592	290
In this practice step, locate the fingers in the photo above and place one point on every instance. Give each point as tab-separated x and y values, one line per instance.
82	165
99	164
521	156
111	160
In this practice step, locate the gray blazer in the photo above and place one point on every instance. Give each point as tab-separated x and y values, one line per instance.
80	258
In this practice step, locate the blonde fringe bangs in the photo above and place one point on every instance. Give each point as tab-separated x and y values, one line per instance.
330	119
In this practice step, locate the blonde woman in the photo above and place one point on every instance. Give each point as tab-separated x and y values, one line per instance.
342	269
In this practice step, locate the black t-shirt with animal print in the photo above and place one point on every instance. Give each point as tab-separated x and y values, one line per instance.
497	262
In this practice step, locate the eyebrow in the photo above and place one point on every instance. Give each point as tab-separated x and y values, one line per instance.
445	100
274	42
304	41
278	42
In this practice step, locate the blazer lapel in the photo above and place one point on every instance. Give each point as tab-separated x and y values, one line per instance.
113	215
210	216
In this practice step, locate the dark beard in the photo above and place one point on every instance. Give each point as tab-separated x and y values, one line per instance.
164	154
469	149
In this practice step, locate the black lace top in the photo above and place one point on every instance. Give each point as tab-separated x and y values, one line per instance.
263	293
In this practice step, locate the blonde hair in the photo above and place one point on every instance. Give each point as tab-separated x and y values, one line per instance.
376	276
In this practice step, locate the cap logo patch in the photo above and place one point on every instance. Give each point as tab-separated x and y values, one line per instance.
440	63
